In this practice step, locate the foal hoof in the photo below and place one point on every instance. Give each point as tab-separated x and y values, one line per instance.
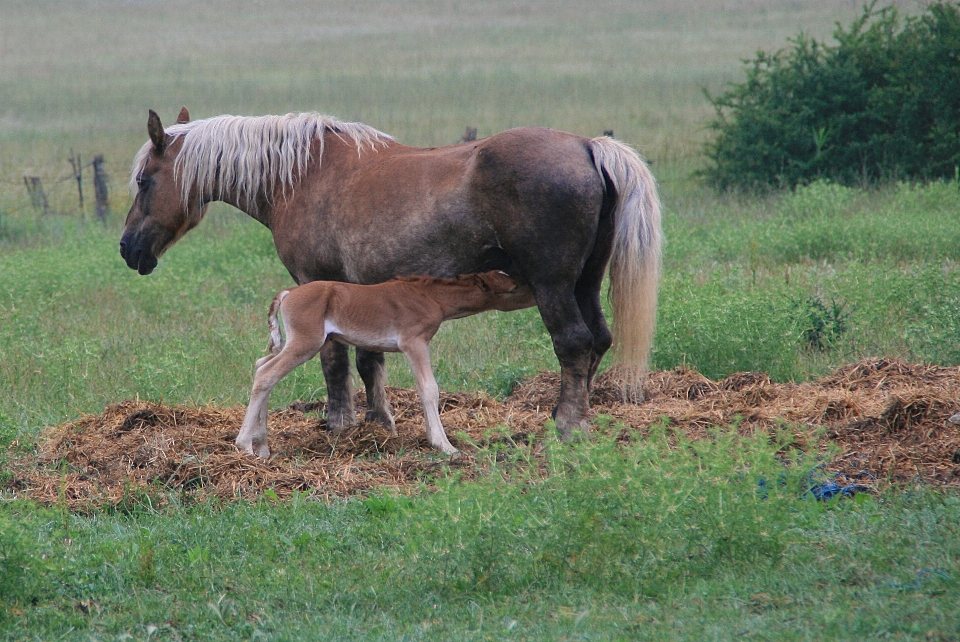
451	451
257	451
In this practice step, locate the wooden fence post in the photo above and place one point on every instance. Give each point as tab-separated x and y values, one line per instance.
78	175
38	198
100	188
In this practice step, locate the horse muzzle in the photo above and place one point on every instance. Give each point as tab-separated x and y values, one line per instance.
138	256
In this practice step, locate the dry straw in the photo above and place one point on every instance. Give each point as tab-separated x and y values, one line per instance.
886	417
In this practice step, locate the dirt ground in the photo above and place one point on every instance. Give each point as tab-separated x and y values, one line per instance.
886	417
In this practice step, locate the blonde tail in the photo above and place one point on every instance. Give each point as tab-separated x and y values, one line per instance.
635	261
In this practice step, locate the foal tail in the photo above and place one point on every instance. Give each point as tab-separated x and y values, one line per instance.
276	339
635	260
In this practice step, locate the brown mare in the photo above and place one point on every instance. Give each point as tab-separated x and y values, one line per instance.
346	202
395	316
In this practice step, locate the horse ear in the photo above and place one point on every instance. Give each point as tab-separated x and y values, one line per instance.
155	129
183	116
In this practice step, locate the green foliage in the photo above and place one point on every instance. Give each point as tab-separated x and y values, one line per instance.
822	324
721	325
616	519
22	576
880	104
657	538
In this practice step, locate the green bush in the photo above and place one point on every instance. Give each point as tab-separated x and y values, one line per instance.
882	103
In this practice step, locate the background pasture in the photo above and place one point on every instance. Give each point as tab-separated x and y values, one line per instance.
743	279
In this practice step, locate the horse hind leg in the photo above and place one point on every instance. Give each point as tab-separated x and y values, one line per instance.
587	293
590	308
253	433
373	372
573	343
587	289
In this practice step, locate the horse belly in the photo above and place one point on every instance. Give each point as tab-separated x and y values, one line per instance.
385	340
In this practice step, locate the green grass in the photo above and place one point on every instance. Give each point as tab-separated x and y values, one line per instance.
735	271
635	541
610	542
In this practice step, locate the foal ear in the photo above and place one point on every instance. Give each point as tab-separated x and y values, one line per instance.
155	129
183	116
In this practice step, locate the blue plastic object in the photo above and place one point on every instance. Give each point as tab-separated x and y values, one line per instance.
828	490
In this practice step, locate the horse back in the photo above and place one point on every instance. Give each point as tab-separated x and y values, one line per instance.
365	218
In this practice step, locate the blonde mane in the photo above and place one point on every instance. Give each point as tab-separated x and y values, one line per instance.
245	156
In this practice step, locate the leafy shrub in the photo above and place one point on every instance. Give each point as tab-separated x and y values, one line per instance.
823	325
883	103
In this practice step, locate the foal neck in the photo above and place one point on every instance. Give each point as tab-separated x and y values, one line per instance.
458	299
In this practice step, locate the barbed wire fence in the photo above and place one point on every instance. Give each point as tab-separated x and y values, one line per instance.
44	189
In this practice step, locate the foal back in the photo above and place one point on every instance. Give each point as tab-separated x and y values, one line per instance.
374	317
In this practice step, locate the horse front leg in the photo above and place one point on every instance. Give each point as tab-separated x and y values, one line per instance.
373	372
335	360
573	343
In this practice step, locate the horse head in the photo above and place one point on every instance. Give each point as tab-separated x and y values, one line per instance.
159	215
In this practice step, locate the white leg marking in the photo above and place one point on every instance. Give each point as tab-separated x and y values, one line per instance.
418	354
253	434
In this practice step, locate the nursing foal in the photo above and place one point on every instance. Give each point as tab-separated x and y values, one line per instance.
401	315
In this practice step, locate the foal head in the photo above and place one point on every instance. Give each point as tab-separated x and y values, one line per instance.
501	291
159	216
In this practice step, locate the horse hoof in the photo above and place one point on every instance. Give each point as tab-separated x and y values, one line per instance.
385	420
339	424
573	431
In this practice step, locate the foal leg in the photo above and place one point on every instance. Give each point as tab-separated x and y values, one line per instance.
573	344
335	359
417	353
253	433
373	372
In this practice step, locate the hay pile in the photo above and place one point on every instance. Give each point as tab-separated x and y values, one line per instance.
888	417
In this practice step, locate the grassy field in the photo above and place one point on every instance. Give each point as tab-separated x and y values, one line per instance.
643	541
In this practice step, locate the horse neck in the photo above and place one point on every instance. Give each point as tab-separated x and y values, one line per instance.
259	207
334	155
260	202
